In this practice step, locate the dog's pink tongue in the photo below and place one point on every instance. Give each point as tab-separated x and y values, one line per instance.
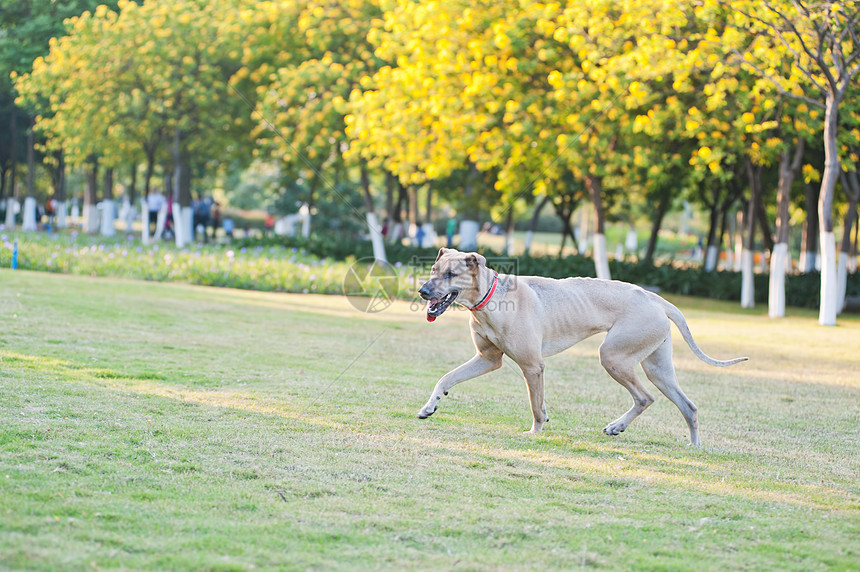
430	305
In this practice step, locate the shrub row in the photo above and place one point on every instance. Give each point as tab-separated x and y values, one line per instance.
320	265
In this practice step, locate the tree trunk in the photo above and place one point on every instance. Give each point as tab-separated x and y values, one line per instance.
828	308
183	214
108	206
711	246
29	222
469	226
130	200
656	223
761	213
60	190
724	226
389	201
534	222
413	208
747	256
779	258
372	222
395	231
428	218
809	247
13	171
601	260
91	197
144	197
4	171
851	184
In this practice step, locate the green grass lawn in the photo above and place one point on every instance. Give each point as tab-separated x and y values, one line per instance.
156	426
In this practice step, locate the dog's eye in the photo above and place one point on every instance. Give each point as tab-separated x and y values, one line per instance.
450	275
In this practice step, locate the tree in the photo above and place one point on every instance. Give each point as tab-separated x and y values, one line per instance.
126	83
312	56
26	27
822	44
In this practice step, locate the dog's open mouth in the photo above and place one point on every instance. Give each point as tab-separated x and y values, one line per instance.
436	306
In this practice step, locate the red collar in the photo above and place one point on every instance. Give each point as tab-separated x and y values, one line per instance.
488	295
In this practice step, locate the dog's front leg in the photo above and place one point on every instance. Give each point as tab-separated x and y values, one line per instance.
478	365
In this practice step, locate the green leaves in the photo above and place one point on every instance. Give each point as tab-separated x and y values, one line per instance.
122	81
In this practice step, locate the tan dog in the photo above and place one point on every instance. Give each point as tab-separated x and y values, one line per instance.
529	318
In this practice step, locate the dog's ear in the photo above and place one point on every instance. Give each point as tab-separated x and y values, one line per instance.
474	260
441	252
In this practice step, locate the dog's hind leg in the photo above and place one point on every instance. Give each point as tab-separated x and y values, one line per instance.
622	367
661	371
533	375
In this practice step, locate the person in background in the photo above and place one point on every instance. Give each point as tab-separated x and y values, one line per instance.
215	217
419	235
50	211
154	201
202	213
229	227
449	231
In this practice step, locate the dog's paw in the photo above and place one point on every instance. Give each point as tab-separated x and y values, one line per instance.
425	413
614	429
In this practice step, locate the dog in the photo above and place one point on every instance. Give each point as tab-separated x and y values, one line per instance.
529	318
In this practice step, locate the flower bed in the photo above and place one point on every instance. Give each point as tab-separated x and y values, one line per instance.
270	268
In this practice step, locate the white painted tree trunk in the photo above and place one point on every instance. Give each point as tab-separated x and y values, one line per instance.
776	288
711	258
178	223
76	213
108	216
144	220
11	211
305	214
730	260
528	242
376	237
29	223
91	219
183	218
841	281
130	212
161	220
601	260
631	241
429	235
827	310
469	235
62	214
747	279
739	253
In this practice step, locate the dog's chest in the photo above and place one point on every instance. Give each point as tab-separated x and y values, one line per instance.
490	334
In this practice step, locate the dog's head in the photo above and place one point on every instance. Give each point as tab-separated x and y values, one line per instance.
453	276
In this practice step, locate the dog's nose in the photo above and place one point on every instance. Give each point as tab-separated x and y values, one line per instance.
424	291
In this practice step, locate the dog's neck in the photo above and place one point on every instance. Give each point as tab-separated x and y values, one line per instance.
486	286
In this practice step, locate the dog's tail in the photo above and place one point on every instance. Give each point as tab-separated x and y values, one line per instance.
676	316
